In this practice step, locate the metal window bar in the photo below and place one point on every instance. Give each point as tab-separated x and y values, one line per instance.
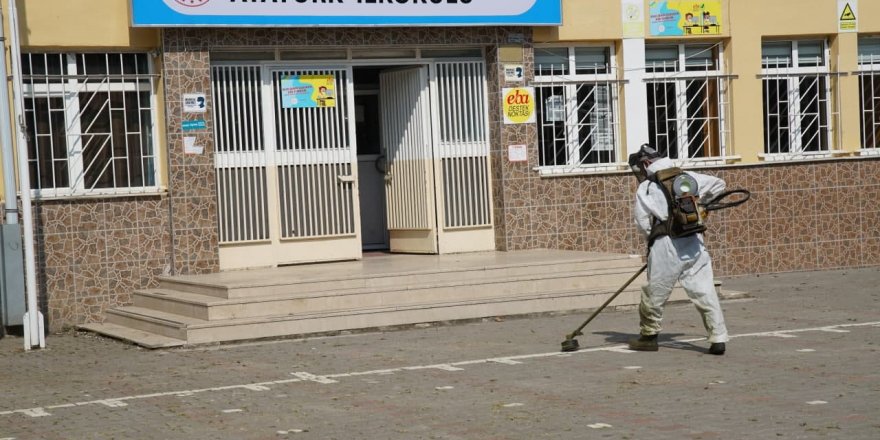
801	109
240	158
89	133
689	111
869	107
313	156
578	122
464	143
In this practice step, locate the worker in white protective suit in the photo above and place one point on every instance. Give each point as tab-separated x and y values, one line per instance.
684	259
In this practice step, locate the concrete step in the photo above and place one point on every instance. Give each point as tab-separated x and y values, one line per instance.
291	280
207	307
197	331
369	318
152	321
139	337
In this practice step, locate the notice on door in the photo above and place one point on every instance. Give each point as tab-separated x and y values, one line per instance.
519	105
308	91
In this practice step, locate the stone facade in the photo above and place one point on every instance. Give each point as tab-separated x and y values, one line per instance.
94	252
802	216
91	254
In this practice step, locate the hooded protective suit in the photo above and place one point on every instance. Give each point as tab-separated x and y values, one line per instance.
682	259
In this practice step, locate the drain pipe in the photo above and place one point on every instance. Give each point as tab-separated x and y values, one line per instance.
10	196
34	328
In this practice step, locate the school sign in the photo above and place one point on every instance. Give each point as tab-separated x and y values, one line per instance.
305	13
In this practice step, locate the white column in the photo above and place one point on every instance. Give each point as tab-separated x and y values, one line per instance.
636	94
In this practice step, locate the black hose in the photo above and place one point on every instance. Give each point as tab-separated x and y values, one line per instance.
717	202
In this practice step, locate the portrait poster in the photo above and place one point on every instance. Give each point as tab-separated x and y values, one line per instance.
670	18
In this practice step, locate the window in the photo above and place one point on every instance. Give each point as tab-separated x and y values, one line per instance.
796	87
576	90
90	123
869	90
687	101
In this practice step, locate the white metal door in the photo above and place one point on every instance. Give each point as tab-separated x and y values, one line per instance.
461	140
286	176
409	181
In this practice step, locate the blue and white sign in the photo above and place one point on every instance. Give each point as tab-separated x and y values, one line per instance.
299	13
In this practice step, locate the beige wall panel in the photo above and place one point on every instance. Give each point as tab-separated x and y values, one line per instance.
784	17
869	11
585	20
81	23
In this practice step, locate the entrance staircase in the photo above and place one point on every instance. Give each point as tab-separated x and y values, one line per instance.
376	292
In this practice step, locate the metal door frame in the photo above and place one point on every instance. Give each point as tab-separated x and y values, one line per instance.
450	239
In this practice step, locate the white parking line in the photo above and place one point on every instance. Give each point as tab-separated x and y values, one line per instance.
451	367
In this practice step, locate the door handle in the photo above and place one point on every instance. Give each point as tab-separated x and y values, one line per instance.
345	179
388	178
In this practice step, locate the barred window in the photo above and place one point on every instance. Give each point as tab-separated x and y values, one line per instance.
90	123
576	91
797	97
688	105
869	90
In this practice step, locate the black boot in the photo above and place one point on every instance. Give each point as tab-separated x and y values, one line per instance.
717	348
644	343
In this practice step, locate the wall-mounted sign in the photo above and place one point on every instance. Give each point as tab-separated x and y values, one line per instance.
554	109
848	13
190	147
670	18
330	13
633	18
514	73
517	153
198	124
518	105
308	91
194	103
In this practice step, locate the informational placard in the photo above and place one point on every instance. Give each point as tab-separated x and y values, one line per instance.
514	73
633	18
334	13
196	125
308	91
848	15
190	147
194	103
554	109
518	105
517	153
671	18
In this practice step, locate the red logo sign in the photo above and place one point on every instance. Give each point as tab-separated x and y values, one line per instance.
192	3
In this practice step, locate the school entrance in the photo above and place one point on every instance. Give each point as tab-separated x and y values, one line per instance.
319	162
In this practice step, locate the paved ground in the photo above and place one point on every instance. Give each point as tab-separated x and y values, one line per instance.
802	364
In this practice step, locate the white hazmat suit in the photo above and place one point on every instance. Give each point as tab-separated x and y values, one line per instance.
682	259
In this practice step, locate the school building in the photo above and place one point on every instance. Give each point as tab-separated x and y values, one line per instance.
197	137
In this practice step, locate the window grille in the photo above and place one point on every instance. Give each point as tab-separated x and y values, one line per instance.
688	102
797	96
90	123
869	91
577	109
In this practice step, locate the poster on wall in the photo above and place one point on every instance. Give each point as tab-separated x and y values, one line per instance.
518	105
308	91
671	18
633	18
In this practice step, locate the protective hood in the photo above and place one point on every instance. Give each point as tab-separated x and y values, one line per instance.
659	165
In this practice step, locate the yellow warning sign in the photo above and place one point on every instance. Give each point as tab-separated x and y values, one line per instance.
848	11
848	14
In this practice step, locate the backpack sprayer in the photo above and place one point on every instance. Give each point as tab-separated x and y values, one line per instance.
715	204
